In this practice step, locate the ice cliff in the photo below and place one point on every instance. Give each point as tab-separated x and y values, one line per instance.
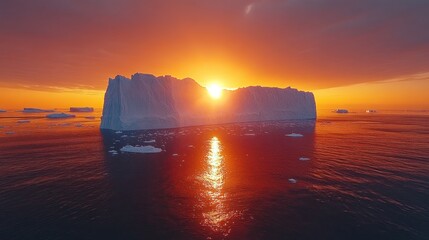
149	102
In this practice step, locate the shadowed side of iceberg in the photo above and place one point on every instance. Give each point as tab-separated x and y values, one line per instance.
149	102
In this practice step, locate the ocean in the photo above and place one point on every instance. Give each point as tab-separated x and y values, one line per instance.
343	176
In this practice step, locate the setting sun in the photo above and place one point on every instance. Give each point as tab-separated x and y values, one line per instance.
214	90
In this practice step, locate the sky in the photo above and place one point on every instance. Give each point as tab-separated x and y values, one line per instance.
58	53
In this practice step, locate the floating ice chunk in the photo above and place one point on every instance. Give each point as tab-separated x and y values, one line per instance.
371	111
294	135
113	151
141	149
118	132
174	154
304	159
36	110
292	180
150	141
1	110
81	109
9	133
191	146
340	111
78	125
60	115
23	121
249	134
124	136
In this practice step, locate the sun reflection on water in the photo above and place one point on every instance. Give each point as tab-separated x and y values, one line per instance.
216	214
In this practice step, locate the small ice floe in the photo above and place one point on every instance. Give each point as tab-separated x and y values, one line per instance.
340	111
64	124
294	135
113	152
150	141
2	110
81	109
60	115
249	134
23	121
124	136
36	110
191	146
174	154
371	111
140	149
292	180
118	132
304	159
78	125
9	133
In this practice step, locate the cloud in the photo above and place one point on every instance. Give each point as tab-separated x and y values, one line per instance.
304	43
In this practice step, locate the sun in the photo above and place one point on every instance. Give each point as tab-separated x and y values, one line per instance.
214	90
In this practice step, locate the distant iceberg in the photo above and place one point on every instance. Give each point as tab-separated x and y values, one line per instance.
1	111
60	115
140	149
149	102
294	135
36	110
23	121
340	111
81	109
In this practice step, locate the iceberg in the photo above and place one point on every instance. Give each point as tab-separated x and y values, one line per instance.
60	115
36	110
294	135
292	180
81	109
23	121
149	102
340	111
140	149
1	110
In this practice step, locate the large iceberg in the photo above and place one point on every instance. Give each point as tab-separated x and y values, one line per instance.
149	102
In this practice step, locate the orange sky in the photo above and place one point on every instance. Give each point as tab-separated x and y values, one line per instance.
59	53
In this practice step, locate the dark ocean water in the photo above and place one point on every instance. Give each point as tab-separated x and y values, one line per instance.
367	178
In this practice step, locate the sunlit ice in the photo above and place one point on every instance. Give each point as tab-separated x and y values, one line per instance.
214	90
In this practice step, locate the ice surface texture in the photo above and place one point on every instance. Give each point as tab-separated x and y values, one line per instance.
149	102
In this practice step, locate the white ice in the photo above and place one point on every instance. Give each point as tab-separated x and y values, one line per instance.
150	141
292	180
140	149
304	159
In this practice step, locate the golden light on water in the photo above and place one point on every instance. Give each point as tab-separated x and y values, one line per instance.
216	215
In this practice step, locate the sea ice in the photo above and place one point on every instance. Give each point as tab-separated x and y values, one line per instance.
10	132
23	121
1	110
150	141
294	135
292	180
140	149
81	109
36	110
341	111
304	159
60	115
249	134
